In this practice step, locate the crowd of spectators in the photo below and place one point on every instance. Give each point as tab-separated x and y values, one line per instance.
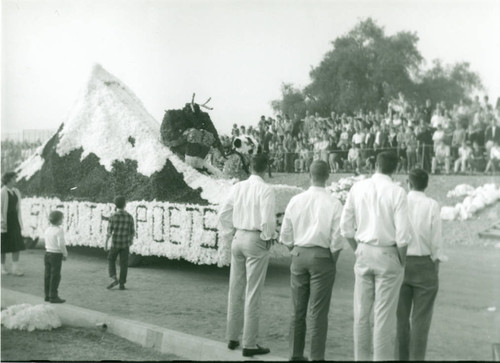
462	139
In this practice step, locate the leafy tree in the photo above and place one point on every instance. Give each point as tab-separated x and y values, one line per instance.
293	101
450	83
367	68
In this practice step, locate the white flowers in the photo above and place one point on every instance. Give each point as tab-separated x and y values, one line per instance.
476	200
29	317
171	230
460	191
340	189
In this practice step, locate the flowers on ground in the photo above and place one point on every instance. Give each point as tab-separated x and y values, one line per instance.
30	317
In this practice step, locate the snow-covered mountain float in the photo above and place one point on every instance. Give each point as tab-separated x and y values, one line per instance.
111	145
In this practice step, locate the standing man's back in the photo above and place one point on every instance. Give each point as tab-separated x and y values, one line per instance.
375	223
311	229
248	218
420	285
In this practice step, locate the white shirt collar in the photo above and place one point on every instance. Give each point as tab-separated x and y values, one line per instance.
314	188
256	178
416	193
381	176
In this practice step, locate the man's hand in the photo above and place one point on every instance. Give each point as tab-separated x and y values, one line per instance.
336	255
352	243
64	258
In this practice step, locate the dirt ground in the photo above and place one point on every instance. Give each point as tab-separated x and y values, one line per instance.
193	299
59	345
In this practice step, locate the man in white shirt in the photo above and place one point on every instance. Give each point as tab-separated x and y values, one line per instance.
311	229
248	214
420	285
375	223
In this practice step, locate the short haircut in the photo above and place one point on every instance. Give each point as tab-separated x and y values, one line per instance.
120	202
319	171
419	179
8	176
259	163
387	162
55	217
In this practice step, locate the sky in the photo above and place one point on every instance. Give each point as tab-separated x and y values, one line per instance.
236	52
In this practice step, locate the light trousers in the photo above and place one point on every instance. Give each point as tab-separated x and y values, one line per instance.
249	261
378	277
415	307
312	276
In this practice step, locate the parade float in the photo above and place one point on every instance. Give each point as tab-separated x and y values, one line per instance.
110	145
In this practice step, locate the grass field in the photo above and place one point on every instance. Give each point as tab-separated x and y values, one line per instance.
72	344
193	299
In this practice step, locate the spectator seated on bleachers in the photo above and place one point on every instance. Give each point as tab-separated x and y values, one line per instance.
441	156
463	162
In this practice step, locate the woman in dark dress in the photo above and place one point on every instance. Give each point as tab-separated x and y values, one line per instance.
12	240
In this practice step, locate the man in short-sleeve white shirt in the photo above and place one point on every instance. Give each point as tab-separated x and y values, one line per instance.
375	223
420	285
248	214
311	229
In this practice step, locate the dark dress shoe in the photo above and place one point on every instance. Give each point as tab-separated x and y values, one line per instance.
57	300
299	359
233	344
248	352
47	298
112	284
122	287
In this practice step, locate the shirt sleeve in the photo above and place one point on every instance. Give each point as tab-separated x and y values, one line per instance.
268	215
61	242
5	203
19	214
286	233
337	242
110	225
225	217
436	233
401	222
347	218
132	227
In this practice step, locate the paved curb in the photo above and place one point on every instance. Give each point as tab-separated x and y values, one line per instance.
147	335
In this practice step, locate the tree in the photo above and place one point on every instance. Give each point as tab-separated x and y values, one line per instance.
367	68
292	101
450	83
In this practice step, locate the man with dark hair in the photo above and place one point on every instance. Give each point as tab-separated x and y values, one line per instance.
121	230
375	223
420	285
247	217
311	229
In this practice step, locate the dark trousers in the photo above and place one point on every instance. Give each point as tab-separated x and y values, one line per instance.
312	277
52	276
416	301
113	254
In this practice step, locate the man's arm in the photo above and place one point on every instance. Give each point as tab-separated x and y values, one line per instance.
268	215
347	221
225	217
436	235
402	225
109	232
337	242
286	233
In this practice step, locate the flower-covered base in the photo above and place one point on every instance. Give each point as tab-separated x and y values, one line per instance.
30	317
